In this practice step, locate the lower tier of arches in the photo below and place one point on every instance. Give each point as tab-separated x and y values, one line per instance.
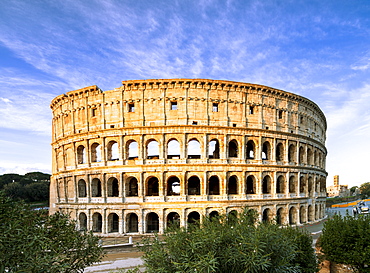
108	220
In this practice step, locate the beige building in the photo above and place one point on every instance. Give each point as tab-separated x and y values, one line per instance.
337	189
153	152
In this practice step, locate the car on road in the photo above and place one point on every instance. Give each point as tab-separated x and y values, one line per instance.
361	208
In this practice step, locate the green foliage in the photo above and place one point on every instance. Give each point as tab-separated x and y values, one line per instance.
346	240
235	244
33	242
365	190
30	187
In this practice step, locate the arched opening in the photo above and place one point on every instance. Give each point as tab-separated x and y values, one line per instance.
82	188
194	186
173	186
301	155
152	149
133	223
113	221
132	150
153	186
292	184
279	216
173	149
280	152
310	186
292	153
95	152
82	219
266	185
251	149
81	155
250	187
311	213
292	216
266	149
232	217
232	186
280	184
266	215
173	220
214	214
113	190
112	150
152	222
194	218
309	157
233	148
214	149
302	184
213	185
97	222
302	215
194	151
132	189
316	158
96	188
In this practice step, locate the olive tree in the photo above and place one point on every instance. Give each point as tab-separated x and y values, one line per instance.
231	244
346	240
31	241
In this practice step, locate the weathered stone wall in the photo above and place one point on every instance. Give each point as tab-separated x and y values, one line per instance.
151	152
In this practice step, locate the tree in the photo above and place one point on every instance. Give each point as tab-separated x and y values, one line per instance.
365	189
234	244
346	240
31	241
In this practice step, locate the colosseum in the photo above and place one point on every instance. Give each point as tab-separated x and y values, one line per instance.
169	151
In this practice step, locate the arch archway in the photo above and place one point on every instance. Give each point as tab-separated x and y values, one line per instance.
233	148
97	222
250	185
152	186
82	219
292	216
173	220
214	185
132	223
113	189
232	185
173	186
194	218
251	149
280	184
266	185
113	222
152	223
96	190
214	149
193	185
132	187
82	192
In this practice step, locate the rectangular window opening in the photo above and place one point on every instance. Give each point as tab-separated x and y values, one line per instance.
173	105
251	110
112	126
215	107
93	112
131	107
280	114
234	124
195	123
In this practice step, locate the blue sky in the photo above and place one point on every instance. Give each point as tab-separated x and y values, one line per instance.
317	49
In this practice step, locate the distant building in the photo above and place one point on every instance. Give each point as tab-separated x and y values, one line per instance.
337	190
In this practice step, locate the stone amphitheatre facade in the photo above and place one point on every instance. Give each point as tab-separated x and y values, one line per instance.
153	152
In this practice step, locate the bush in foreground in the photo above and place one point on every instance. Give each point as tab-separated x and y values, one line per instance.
31	241
346	240
234	244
